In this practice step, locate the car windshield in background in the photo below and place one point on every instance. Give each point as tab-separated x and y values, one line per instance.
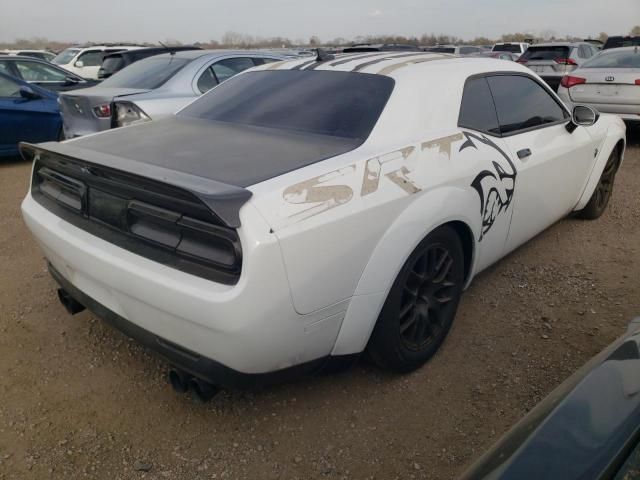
507	47
442	49
147	74
65	56
615	59
545	53
340	104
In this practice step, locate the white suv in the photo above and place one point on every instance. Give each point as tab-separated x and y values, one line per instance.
86	61
513	47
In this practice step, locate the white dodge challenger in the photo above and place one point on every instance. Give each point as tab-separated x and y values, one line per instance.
307	211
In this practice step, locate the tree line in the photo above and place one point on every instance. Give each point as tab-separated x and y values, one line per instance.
241	40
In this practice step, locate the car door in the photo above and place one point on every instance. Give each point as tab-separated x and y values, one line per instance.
552	164
492	170
88	63
22	119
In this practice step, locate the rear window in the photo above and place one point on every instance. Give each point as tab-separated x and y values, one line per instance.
340	104
507	47
617	42
545	53
614	59
147	74
65	56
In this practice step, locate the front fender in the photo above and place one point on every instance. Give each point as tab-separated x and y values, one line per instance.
423	215
615	132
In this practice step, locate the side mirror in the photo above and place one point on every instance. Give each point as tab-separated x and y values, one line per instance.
79	64
29	94
582	115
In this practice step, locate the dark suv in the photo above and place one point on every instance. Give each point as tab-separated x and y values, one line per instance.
115	62
621	41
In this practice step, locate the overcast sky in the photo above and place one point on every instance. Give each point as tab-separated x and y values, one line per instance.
202	20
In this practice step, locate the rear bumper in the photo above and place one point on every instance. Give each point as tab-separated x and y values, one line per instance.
225	334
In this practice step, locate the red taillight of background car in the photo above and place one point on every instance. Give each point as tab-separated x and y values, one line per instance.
569	81
520	60
638	82
565	61
102	111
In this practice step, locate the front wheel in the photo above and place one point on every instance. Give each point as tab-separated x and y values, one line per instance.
600	198
421	304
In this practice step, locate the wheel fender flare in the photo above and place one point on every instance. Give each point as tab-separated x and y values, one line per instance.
423	215
615	133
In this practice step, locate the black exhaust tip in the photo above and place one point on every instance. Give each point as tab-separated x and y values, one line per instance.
179	380
203	391
71	304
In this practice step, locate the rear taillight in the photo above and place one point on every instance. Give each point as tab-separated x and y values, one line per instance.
102	111
522	60
638	82
565	61
569	81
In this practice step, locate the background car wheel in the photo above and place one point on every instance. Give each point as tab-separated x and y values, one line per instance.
421	304
600	199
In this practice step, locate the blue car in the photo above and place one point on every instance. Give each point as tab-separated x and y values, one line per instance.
27	113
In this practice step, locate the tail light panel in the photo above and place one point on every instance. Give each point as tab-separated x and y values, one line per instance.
102	111
569	81
148	219
565	61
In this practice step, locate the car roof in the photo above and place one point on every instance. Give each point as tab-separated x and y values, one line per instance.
193	54
558	44
394	63
23	57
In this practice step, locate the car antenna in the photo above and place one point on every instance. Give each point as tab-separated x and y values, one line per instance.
323	56
171	52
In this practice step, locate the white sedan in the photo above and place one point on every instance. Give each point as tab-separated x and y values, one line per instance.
309	210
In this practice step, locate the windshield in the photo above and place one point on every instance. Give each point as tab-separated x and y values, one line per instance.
545	53
65	56
507	47
615	59
147	74
339	104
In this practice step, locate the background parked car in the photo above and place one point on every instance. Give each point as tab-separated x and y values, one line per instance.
153	88
512	57
597	44
552	61
514	47
386	47
585	428
86	61
114	62
455	49
27	113
41	54
618	41
610	82
43	74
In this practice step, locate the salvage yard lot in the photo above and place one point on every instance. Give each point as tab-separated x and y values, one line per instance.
81	401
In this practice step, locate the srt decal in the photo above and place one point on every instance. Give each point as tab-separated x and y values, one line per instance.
494	187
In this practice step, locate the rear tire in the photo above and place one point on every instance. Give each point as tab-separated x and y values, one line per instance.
421	304
602	194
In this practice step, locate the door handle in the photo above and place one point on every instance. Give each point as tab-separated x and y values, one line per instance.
524	153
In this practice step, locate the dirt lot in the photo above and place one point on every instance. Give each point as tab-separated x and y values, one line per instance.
78	400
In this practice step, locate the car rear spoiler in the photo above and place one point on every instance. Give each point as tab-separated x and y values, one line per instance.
223	200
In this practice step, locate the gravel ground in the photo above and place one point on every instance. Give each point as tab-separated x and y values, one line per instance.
79	400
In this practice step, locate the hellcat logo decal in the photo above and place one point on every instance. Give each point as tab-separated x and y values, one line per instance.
496	187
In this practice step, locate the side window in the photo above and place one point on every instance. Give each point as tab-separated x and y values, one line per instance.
92	58
227	68
477	110
465	50
207	81
522	103
4	68
38	72
9	88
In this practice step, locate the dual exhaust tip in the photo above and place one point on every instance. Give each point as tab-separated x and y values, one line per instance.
182	382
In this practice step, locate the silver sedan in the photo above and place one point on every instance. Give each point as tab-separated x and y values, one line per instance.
153	88
610	82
